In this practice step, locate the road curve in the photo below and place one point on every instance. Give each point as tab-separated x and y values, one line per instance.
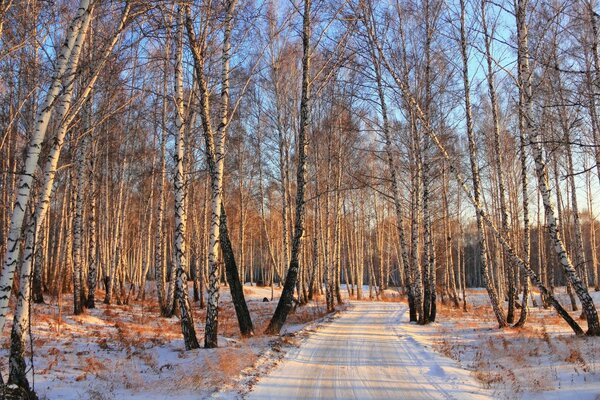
367	353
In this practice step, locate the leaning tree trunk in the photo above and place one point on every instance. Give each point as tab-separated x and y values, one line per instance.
496	306
498	159
34	147
541	170
66	114
21	321
285	303
235	285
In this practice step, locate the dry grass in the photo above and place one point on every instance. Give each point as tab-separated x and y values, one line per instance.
90	365
488	378
133	335
393	298
307	314
123	346
231	361
228	324
514	360
226	364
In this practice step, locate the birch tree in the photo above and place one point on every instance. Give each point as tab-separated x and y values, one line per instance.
533	134
215	156
181	295
64	60
284	305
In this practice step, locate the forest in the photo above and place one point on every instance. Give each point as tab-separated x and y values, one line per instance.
222	178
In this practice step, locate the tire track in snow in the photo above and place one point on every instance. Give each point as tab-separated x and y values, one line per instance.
367	353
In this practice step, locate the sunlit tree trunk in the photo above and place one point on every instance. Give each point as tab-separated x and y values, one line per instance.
533	133
510	272
284	305
180	256
215	155
17	368
64	62
524	196
496	306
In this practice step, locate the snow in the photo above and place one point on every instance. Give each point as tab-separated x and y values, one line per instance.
370	351
543	360
128	351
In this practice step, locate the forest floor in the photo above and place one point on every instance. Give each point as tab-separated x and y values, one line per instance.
127	351
543	360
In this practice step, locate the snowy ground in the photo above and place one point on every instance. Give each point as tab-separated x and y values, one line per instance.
118	352
369	352
543	360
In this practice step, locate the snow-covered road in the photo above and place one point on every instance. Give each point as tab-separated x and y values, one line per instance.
369	352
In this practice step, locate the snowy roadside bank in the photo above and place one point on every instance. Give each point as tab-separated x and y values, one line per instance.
544	360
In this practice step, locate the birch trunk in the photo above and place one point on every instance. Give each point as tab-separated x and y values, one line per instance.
505	223
64	60
394	182
93	250
216	147
285	302
215	154
533	133
181	291
524	195
21	320
496	306
78	229
232	275
160	268
326	233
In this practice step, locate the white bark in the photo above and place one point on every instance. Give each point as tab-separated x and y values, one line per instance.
517	261
497	307
64	61
215	155
410	289
533	134
181	295
498	156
